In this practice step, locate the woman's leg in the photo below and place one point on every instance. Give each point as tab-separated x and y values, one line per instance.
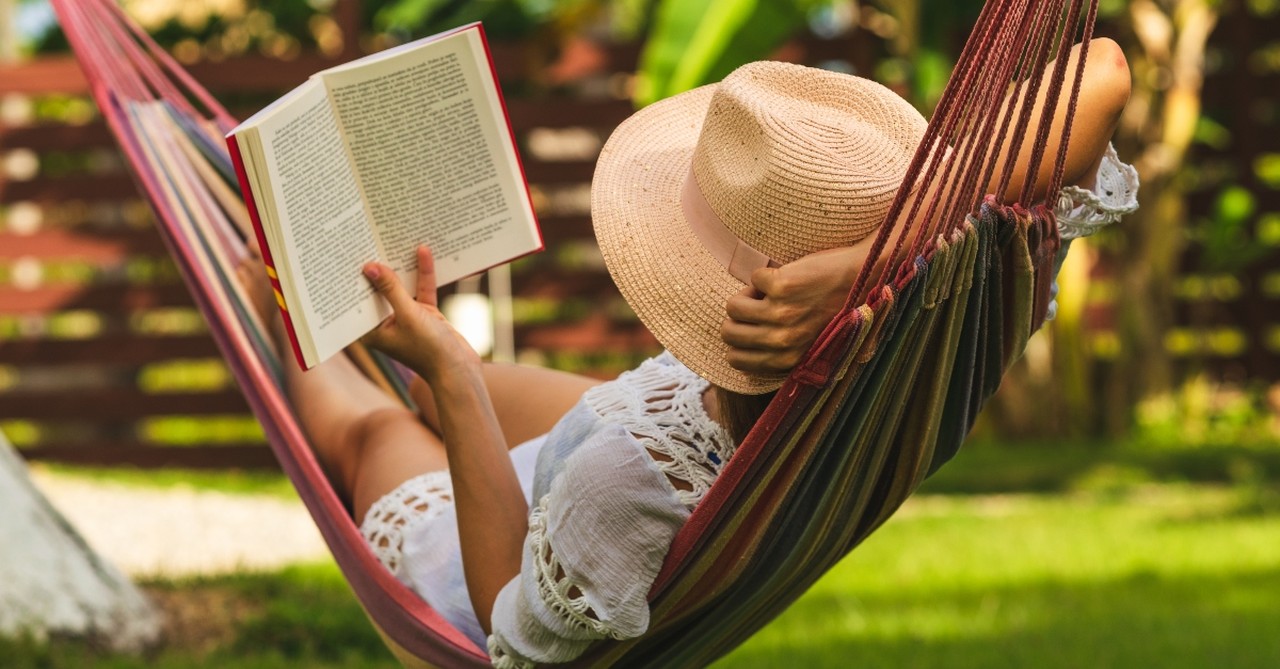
1104	92
527	400
367	442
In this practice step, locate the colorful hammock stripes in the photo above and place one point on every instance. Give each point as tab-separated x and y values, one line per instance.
885	397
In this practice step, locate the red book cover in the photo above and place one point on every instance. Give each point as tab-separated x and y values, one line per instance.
243	178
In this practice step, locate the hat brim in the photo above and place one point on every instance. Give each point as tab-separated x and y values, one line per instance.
676	287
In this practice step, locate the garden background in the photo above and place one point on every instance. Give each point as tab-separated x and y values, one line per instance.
1117	505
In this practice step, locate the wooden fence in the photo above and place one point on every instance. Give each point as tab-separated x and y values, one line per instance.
103	358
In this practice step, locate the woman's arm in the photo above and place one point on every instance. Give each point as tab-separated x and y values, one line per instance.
492	514
772	323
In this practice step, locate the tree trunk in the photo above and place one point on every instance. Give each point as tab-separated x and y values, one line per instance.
1166	46
52	583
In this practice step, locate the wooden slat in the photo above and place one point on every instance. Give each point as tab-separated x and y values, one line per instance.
229	456
79	187
557	228
116	404
548	172
254	73
57	137
564	112
62	74
97	247
44	76
599	289
525	114
96	297
596	333
119	349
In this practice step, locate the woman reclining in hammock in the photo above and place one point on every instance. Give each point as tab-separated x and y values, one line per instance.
532	508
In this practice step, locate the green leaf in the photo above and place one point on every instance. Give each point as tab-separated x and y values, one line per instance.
1267	169
695	42
1225	237
1212	133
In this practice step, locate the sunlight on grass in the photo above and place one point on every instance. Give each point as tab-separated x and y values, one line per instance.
247	482
1170	576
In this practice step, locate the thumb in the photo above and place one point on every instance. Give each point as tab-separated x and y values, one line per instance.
387	284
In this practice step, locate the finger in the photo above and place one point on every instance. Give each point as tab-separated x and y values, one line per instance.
426	290
746	307
765	280
388	285
745	336
759	362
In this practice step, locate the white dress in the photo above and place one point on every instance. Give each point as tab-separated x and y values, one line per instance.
603	507
603	511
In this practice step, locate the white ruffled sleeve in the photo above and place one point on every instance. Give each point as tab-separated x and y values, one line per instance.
1084	211
596	542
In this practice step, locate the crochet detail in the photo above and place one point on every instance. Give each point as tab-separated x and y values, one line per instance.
1082	212
660	403
501	660
419	499
558	591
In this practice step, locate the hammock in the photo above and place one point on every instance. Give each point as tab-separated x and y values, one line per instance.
885	396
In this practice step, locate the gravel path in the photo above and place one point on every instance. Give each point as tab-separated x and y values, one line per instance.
180	531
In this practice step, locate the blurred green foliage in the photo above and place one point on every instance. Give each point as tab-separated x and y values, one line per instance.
503	19
694	42
1226	236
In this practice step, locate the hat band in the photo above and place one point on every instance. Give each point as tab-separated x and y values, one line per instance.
737	256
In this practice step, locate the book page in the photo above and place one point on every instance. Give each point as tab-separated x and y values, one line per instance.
433	154
323	225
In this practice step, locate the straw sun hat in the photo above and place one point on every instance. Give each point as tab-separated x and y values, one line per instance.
693	193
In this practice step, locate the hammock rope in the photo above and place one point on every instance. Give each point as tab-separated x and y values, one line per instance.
884	397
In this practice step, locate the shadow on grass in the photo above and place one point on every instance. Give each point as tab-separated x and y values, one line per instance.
1145	620
303	616
987	467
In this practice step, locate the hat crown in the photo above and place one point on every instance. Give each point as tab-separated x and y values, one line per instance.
794	160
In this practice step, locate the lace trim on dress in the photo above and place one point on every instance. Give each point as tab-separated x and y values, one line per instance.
660	403
421	498
1082	212
499	658
558	591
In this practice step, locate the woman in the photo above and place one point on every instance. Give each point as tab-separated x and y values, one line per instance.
756	191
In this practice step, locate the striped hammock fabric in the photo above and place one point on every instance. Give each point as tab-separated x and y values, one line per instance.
887	394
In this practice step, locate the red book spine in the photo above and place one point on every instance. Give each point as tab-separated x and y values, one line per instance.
234	147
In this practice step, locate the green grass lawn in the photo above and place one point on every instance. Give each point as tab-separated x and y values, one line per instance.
1165	576
1118	566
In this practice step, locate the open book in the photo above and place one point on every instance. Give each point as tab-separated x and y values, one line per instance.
368	160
